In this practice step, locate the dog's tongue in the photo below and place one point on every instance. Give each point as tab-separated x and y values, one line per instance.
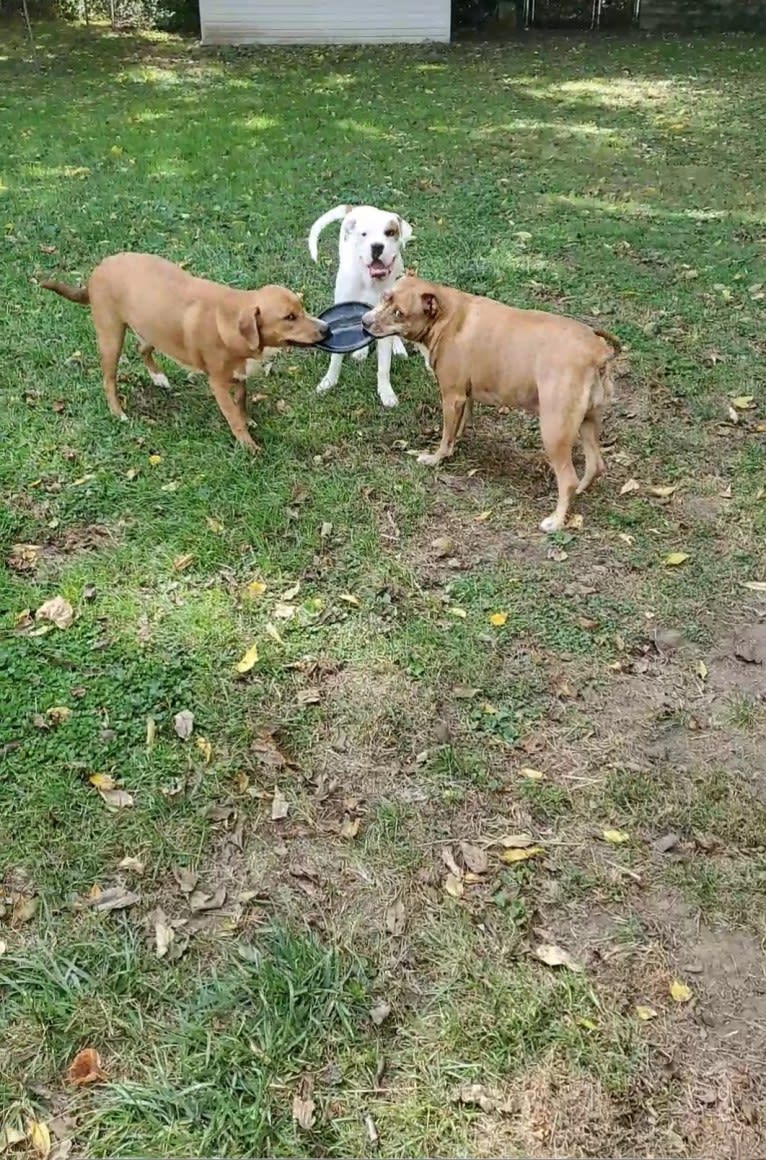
377	268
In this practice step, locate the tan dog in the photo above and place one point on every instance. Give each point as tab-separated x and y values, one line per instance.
201	325
485	351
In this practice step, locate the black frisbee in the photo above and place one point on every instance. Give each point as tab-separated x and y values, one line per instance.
346	330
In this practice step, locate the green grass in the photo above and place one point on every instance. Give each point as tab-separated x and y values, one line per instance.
613	179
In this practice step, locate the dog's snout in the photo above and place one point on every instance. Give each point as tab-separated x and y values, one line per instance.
323	328
376	249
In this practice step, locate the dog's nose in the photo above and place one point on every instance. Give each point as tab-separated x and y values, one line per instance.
324	329
376	249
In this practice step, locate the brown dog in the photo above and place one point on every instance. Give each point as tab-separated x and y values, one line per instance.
485	351
201	325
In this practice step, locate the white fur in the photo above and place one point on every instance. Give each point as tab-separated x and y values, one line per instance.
362	228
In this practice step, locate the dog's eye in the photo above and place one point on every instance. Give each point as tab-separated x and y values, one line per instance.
390	232
398	314
290	317
364	233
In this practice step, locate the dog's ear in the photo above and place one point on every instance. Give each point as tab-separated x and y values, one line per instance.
248	327
410	273
405	230
430	304
349	222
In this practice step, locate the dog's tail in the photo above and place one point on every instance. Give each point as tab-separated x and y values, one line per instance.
77	294
613	342
332	215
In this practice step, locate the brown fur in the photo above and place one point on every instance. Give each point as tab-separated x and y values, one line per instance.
201	325
486	351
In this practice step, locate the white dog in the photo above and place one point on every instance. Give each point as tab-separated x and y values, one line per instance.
370	249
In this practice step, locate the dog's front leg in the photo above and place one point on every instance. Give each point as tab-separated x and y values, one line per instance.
332	376
385	390
455	411
233	409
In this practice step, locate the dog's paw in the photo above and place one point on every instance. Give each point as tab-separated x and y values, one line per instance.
399	348
551	524
387	397
429	458
326	385
160	380
361	354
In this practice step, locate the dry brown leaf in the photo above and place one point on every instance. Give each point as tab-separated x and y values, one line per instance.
349	598
396	918
380	1012
199	901
183	723
57	610
58	714
442	546
279	805
291	592
10	1135
448	858
183	561
476	1095
163	935
115	898
24	910
475	858
554	956
284	611
310	696
85	1068
630	486
116	799
133	865
350	827
515	841
187	879
303	1104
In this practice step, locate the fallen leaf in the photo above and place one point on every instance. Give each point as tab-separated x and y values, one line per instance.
39	1137
303	1104
187	879
701	670
743	402
58	714
521	854
615	837
349	598
755	585
57	610
116	799
644	1013
532	774
459	612
134	865
199	901
183	561
292	592
131	473
498	619
102	780
674	559
666	843
475	859
216	527
151	732
23	557
482	516
664	491
631	485
163	935
554	956
465	692
83	479
380	1012
155	459
558	555
250	658
453	886
255	588
272	631
575	522
183	723
515	841
279	805
679	992
24	910
442	546
85	1068
396	919
476	1095
309	696
3	949
325	530
115	898
284	611
205	748
10	1135
350	828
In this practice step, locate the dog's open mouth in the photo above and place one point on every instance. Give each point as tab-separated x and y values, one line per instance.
378	269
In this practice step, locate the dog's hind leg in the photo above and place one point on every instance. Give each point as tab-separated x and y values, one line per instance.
594	461
110	335
146	350
332	376
385	390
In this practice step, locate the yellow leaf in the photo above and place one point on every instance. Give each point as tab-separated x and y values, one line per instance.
482	516
151	732
532	774
664	491
631	485
645	1013
248	660
131	473
498	619
349	598
702	670
674	559
459	612
205	748
615	837
58	714
521	854
575	522
588	1024
680	992
102	780
255	588
39	1137
183	561
743	402
155	459
216	527
273	632
453	886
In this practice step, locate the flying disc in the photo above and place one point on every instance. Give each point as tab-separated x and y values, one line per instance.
346	331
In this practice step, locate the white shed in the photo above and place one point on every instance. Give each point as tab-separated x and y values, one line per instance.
324	22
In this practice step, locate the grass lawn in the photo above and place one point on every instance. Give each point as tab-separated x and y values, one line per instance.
314	897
